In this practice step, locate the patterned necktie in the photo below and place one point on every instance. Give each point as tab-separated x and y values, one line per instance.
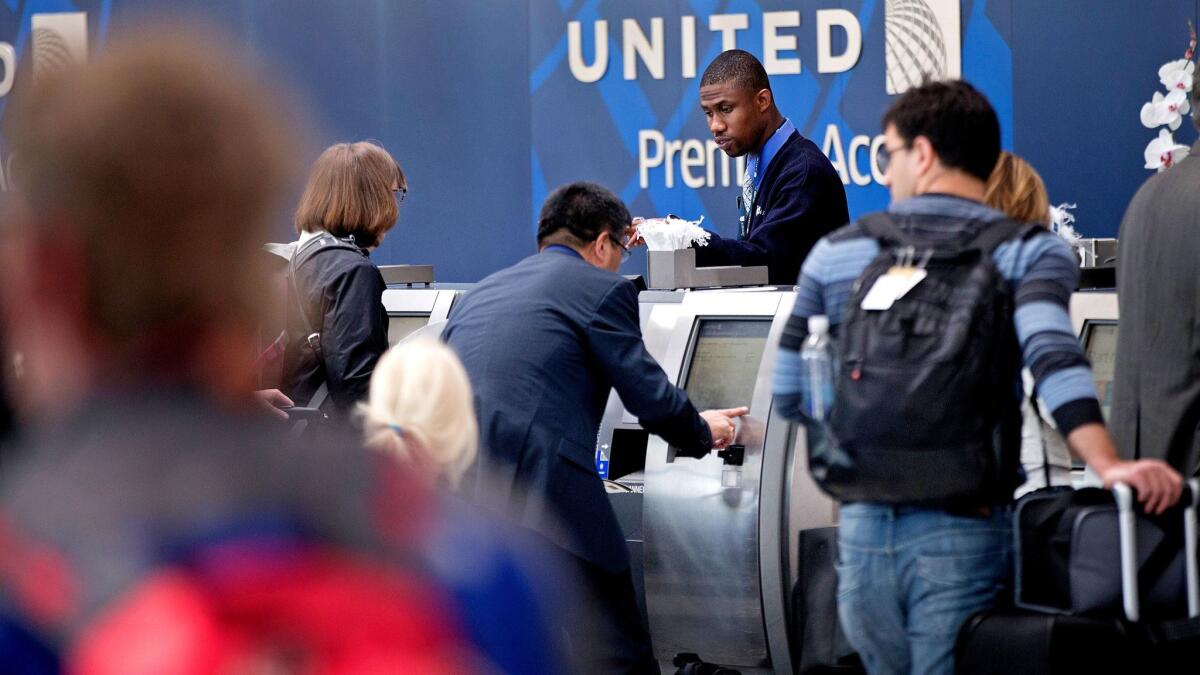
748	192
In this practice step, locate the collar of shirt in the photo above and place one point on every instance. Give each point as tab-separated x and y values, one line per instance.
305	236
559	248
771	147
945	205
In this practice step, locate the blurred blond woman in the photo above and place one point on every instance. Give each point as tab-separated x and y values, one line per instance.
420	410
1016	189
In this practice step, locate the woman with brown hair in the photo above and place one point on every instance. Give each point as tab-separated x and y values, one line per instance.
335	296
1016	189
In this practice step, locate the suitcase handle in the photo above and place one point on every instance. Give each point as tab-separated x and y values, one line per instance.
1189	539
1126	524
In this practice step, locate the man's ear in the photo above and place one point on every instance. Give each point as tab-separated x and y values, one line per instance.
763	100
604	240
925	154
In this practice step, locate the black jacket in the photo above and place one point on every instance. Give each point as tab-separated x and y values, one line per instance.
800	200
342	294
544	342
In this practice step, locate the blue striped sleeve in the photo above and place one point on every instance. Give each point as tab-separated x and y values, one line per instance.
824	287
810	301
1045	272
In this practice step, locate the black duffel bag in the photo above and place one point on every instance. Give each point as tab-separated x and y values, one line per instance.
1083	583
1070	547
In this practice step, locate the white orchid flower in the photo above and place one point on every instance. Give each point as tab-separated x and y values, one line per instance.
1154	114
1163	152
1168	110
1177	75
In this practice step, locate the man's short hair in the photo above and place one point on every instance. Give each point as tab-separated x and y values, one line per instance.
349	193
164	160
737	66
958	121
576	214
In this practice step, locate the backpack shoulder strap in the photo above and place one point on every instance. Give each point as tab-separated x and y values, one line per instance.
997	232
305	252
882	227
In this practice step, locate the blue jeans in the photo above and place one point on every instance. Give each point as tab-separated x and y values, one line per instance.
909	577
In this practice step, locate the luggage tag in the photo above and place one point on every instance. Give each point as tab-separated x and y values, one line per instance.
895	283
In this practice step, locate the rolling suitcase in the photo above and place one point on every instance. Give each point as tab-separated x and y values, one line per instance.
1014	640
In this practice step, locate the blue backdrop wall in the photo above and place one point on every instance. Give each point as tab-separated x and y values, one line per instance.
490	104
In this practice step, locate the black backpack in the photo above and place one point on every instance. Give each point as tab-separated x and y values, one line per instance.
290	347
926	409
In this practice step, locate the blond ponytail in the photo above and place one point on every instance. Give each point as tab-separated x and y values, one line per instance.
420	409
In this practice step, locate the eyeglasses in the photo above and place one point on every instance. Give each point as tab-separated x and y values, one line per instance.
401	194
884	157
623	243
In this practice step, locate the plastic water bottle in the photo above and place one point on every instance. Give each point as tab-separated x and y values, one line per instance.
602	458
816	357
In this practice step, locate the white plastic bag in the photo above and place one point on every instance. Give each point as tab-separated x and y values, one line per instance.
671	233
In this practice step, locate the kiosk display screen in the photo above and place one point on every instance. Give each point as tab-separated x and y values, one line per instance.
400	325
724	362
1100	346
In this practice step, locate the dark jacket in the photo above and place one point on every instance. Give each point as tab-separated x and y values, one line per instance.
800	200
342	294
1156	386
544	342
145	481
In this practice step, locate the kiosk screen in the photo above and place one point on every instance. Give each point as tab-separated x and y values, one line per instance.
400	325
1100	345
724	362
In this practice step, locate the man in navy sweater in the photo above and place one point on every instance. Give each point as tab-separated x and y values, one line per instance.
790	196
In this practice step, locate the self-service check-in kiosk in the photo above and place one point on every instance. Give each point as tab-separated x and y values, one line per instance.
719	531
716	538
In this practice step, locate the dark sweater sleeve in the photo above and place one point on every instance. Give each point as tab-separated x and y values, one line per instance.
805	204
354	332
615	340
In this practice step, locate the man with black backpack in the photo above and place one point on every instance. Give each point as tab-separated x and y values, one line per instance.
934	306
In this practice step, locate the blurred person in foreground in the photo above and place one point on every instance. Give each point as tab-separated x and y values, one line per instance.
152	523
1016	190
420	412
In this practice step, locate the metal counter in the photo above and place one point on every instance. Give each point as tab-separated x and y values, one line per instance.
409	309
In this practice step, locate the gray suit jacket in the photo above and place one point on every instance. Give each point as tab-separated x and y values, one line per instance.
1156	388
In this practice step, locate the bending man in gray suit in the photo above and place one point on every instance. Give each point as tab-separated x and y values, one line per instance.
543	342
1156	387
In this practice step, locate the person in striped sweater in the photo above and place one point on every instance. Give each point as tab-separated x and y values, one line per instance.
909	575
